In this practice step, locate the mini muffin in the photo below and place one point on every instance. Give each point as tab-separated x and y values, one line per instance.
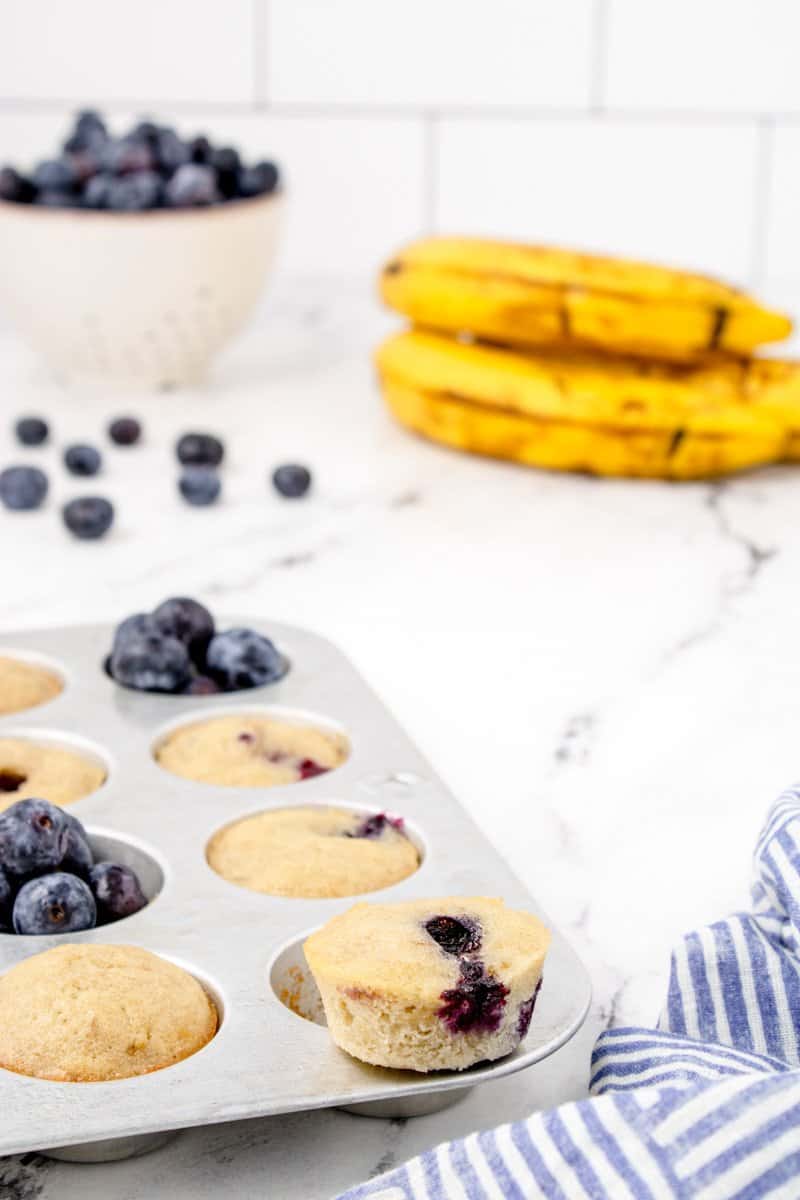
87	1013
313	852
249	750
36	770
25	685
428	985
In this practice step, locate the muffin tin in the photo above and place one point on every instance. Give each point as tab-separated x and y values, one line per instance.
245	947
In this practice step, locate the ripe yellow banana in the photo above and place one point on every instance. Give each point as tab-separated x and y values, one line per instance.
540	297
582	413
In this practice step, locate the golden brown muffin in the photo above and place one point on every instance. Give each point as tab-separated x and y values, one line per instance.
37	769
426	985
25	685
86	1013
250	750
313	852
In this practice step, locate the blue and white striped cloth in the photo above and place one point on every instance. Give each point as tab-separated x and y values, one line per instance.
707	1105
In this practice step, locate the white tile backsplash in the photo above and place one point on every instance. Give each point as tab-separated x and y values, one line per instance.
417	53
718	56
681	194
667	130
130	50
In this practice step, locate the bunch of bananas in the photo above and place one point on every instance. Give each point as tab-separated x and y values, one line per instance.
580	363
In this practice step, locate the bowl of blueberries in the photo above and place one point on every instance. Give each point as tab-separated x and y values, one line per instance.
133	258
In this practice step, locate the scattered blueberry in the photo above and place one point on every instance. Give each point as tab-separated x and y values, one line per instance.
57	903
31	431
82	460
117	891
134	626
15	187
127	155
260	180
151	662
171	151
226	162
242	658
454	935
526	1012
188	621
6	895
476	1003
200	149
98	191
77	855
199	450
192	186
292	480
33	837
199	485
125	431
22	487
88	517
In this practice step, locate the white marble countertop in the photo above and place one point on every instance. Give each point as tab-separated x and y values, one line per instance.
606	673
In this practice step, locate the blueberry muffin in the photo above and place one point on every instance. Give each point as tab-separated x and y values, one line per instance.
313	852
428	985
250	750
25	685
90	1013
30	769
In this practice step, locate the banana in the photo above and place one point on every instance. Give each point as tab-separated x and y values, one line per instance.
604	416
538	297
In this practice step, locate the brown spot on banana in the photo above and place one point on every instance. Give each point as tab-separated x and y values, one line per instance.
718	327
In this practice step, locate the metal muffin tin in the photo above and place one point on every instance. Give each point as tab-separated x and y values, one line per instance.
243	946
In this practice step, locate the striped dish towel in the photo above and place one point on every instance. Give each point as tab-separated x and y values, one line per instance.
707	1105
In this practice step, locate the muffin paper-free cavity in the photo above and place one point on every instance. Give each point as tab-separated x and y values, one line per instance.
243	946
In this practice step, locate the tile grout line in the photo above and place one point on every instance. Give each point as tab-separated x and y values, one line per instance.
598	73
260	52
430	169
762	199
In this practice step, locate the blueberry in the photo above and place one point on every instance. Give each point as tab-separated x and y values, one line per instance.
372	827
145	131
125	431
188	621
259	180
135	192
22	487
242	658
116	890
50	199
200	149
151	662
199	450
82	460
454	935
199	485
33	837
192	186
55	175
31	431
137	625
88	517
526	1012
78	856
15	187
226	162
171	151
6	896
57	903
476	1003
123	156
89	124
97	191
291	480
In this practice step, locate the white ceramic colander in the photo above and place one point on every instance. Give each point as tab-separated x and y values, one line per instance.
137	299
